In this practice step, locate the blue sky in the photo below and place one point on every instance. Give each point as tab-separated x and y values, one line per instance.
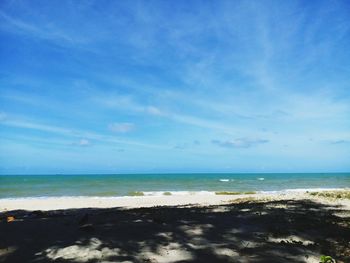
174	86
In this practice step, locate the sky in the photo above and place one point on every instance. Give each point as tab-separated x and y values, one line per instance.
174	86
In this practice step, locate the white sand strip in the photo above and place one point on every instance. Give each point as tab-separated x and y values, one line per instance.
53	203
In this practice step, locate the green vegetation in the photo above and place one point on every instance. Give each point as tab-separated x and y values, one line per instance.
235	193
227	193
136	193
327	259
166	193
332	194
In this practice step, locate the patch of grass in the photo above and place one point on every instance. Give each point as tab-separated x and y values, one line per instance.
227	193
332	194
136	193
327	259
166	193
250	193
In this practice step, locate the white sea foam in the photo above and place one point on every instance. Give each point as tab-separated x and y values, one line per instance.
261	178
224	180
173	193
302	190
177	193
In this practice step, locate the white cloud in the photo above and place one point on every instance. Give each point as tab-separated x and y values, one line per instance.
154	111
37	126
25	124
121	127
84	142
128	103
47	32
239	143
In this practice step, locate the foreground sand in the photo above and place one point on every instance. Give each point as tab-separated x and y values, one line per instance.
294	227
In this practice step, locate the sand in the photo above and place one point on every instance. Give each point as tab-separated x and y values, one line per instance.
288	227
53	203
108	202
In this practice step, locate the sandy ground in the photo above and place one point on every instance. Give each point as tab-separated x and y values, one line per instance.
293	227
108	202
144	201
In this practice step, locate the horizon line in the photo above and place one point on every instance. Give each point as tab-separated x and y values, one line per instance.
174	173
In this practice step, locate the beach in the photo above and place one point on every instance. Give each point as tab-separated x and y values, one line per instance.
294	226
174	131
194	198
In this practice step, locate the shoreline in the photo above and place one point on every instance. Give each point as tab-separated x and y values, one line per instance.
191	198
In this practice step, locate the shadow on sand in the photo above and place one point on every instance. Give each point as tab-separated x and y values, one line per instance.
249	231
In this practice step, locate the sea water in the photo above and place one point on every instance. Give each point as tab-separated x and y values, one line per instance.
15	186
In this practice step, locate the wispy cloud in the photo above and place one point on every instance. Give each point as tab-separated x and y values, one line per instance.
84	142
121	127
341	142
38	126
128	103
46	32
155	78
187	145
74	133
239	143
180	146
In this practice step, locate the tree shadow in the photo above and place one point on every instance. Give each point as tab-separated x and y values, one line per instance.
250	231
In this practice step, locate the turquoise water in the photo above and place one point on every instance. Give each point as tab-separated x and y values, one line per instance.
13	186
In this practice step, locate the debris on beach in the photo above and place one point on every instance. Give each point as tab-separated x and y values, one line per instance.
10	219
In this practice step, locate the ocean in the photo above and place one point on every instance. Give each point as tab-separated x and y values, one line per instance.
18	186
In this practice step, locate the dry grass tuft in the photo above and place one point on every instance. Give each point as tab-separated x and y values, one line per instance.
332	194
